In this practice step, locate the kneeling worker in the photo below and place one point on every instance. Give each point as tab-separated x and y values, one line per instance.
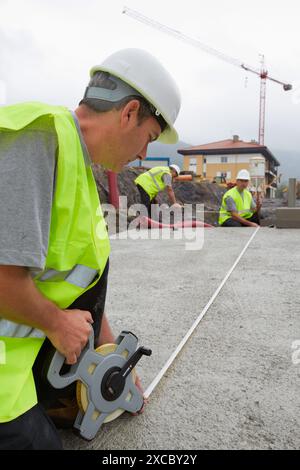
154	181
238	208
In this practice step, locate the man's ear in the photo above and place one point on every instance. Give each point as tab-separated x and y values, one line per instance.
129	114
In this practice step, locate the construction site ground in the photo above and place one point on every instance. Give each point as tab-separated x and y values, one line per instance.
234	385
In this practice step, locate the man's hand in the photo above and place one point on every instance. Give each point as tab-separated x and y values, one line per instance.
171	195
70	333
138	384
177	205
244	222
21	302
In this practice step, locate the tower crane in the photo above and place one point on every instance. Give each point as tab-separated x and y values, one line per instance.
262	72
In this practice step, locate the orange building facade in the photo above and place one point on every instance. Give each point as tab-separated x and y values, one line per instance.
221	161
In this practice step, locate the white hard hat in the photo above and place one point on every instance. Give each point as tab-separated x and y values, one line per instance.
145	73
176	168
243	175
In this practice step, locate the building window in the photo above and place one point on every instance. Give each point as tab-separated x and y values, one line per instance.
224	159
193	165
223	176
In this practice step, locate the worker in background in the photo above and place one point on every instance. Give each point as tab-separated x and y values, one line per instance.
54	244
238	208
157	179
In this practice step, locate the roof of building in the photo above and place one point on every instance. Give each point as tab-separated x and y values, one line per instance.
230	146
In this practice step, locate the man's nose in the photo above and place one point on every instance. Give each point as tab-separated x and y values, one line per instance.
142	154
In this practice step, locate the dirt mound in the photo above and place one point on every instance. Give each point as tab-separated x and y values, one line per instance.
190	192
209	194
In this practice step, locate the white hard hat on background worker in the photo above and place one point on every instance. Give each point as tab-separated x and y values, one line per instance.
176	168
145	75
243	175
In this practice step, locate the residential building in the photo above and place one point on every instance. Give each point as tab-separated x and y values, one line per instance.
224	159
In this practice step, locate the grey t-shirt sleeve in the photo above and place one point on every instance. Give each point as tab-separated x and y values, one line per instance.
230	204
167	179
27	175
253	204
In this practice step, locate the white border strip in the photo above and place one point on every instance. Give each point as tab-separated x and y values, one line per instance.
171	359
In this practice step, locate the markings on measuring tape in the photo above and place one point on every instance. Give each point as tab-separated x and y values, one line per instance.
173	356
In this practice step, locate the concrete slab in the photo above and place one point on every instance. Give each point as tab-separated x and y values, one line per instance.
234	385
288	217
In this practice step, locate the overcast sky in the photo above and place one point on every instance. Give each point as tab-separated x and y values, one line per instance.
48	46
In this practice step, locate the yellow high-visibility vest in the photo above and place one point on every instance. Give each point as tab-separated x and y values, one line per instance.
77	253
243	205
152	181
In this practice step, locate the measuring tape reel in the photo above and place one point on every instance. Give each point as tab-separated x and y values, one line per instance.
105	381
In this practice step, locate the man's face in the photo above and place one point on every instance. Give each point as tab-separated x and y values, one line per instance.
134	143
242	184
127	138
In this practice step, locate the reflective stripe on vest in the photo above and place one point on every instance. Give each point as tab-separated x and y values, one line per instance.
152	181
80	275
78	249
243	205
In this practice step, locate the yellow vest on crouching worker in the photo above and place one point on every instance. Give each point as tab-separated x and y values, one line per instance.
152	181
77	253
243	205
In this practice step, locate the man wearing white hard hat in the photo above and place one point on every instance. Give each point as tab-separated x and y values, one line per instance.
238	208
157	179
54	244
